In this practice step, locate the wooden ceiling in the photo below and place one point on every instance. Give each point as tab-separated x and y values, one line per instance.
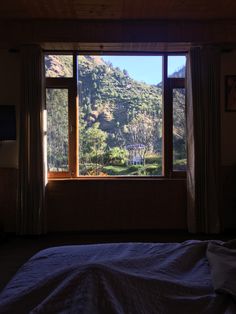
118	9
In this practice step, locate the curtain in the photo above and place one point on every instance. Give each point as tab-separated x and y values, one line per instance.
31	183
203	140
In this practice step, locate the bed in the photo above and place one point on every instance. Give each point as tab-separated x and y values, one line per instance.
189	277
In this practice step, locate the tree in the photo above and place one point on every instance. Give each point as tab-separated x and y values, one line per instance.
116	156
141	131
93	144
57	129
179	127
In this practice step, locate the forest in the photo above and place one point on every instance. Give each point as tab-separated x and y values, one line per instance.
120	120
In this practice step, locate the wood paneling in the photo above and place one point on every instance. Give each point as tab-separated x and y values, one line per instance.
116	204
228	205
8	194
16	33
118	9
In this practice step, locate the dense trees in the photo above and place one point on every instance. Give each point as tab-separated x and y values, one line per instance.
115	111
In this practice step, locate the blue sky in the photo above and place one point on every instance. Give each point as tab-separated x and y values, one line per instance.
146	68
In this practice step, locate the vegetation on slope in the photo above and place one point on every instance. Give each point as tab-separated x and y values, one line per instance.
117	115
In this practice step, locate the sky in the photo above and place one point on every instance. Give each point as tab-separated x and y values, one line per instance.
146	68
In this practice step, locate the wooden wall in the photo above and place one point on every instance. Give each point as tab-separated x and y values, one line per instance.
15	33
76	205
108	204
116	204
79	205
8	195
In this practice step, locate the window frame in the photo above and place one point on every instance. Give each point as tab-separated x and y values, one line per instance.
70	83
169	83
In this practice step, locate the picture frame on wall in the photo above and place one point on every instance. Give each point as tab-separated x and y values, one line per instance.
230	93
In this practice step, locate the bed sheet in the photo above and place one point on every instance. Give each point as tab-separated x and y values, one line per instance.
116	278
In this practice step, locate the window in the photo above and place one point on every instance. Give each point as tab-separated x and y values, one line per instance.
115	115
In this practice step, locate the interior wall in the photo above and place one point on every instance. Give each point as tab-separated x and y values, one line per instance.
64	211
10	95
228	145
116	204
228	119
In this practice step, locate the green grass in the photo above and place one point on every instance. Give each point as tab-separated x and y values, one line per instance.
133	170
115	170
149	169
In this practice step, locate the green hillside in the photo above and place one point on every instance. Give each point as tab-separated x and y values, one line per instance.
119	118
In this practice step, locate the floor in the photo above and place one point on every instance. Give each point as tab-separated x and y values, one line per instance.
15	250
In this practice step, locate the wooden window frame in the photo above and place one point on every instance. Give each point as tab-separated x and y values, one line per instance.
70	83
169	83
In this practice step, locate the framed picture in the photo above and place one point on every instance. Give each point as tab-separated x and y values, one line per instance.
230	93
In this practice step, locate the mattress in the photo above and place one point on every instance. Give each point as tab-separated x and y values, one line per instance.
117	278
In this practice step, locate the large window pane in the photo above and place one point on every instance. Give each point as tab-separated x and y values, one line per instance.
120	115
59	65
57	129
179	130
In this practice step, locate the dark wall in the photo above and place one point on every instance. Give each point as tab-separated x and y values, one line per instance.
108	204
116	204
8	195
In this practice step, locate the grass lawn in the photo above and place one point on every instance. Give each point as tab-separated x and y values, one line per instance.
133	170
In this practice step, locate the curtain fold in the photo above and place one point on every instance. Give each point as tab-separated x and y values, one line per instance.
203	140
31	183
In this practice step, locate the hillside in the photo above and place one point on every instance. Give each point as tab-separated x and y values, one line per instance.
113	99
116	112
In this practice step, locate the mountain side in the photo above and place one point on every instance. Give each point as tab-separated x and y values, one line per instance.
115	110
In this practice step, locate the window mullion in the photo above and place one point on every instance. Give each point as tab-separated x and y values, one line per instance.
71	134
76	117
176	83
167	122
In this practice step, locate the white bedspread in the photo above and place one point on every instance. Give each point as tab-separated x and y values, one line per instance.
116	278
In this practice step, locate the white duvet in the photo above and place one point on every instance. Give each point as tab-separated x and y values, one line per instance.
116	278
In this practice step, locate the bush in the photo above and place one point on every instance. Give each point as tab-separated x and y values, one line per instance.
114	170
90	169
134	168
152	170
116	156
153	159
180	164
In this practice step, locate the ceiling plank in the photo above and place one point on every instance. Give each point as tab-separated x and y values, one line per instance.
110	31
118	9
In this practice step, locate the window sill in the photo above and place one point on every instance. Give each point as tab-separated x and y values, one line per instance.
120	178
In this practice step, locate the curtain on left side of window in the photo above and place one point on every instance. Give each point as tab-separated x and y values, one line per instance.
31	180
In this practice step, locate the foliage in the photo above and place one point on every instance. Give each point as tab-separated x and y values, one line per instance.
57	125
180	164
142	130
59	66
116	156
153	159
115	111
94	142
179	127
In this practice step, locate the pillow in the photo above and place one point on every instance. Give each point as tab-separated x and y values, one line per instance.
222	261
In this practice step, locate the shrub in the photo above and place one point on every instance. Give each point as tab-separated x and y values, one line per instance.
90	169
152	170
116	156
153	159
180	164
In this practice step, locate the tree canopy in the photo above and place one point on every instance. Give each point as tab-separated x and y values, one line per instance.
114	111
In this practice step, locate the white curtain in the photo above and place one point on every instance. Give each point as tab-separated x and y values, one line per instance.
31	183
203	140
